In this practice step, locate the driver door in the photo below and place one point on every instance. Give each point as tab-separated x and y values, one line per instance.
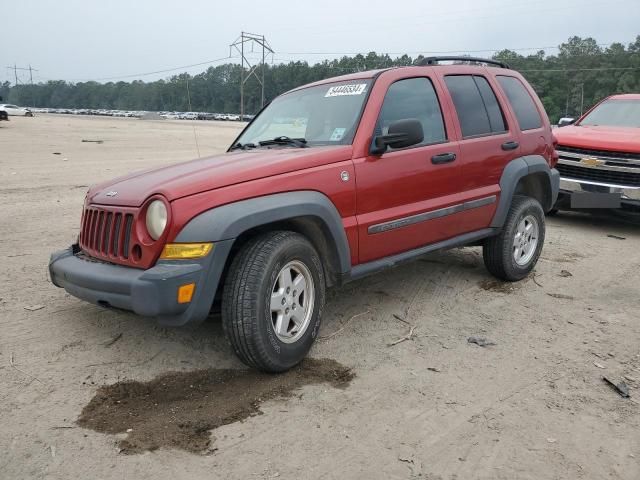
406	198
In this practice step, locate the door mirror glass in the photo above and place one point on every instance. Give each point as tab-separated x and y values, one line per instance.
564	121
401	134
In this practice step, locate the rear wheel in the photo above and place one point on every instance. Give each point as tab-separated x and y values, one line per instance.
513	253
273	299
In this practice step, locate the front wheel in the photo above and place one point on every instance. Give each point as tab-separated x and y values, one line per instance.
272	302
513	253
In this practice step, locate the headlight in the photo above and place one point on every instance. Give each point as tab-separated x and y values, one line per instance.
156	219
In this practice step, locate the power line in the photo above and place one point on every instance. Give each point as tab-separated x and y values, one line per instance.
145	74
579	69
353	53
441	52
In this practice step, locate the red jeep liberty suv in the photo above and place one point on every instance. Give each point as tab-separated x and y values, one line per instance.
330	182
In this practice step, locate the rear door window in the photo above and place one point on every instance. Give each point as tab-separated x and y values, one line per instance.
478	109
522	103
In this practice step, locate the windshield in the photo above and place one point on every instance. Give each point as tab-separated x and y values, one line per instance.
323	115
615	113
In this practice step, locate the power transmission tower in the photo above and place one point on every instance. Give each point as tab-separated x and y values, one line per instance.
31	70
251	39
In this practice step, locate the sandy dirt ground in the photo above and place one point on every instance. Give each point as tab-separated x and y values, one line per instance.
532	406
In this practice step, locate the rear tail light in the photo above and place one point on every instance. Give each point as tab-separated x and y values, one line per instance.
554	151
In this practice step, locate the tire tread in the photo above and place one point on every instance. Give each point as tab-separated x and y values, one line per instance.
240	297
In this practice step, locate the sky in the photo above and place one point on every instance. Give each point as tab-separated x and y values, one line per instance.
79	40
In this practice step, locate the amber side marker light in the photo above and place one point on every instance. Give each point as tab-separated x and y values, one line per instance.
185	292
181	251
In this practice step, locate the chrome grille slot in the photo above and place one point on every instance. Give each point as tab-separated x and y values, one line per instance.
107	233
128	223
99	230
116	235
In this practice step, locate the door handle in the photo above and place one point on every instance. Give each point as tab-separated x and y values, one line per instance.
510	145
443	158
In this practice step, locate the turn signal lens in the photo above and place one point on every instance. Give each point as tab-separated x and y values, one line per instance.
181	251
185	292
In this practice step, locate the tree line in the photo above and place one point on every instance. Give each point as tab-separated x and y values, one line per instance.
568	82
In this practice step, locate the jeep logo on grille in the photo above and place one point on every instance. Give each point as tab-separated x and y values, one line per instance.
112	193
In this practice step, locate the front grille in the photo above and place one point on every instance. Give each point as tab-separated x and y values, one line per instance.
106	232
604	154
603	175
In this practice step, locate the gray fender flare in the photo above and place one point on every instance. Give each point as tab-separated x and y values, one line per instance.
231	220
513	172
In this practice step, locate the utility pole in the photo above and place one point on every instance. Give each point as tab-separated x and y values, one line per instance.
239	45
15	72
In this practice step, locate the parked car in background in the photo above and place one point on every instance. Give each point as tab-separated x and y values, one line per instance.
599	156
14	110
387	165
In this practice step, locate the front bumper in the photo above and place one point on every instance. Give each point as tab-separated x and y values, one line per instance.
629	196
150	293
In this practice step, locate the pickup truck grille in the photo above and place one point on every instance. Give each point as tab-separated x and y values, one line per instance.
602	175
604	154
106	232
619	168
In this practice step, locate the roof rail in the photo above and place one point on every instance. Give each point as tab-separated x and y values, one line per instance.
436	60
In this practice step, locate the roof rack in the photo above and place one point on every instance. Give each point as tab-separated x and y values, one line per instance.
436	60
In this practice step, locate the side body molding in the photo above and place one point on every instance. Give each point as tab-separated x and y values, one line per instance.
230	221
513	172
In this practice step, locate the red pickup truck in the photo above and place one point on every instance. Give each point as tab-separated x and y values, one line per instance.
600	156
331	182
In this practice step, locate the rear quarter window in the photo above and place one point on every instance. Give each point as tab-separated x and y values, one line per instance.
523	105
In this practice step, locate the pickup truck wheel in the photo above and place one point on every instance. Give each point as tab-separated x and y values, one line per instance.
513	253
272	301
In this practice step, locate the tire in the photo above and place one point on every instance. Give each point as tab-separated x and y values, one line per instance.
552	213
28	114
255	285
500	253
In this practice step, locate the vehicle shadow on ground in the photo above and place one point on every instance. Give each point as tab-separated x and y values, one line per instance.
608	222
451	271
142	342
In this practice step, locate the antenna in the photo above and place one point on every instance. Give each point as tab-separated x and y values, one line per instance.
252	39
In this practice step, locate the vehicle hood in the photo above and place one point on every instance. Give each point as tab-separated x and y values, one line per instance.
617	139
195	176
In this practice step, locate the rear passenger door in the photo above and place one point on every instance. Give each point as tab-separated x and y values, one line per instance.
488	138
535	138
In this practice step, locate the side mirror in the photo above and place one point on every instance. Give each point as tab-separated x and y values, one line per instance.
402	134
564	121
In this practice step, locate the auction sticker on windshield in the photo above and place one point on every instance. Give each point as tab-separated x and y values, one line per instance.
353	89
337	134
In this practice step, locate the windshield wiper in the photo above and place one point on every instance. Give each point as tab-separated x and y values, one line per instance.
244	146
284	140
